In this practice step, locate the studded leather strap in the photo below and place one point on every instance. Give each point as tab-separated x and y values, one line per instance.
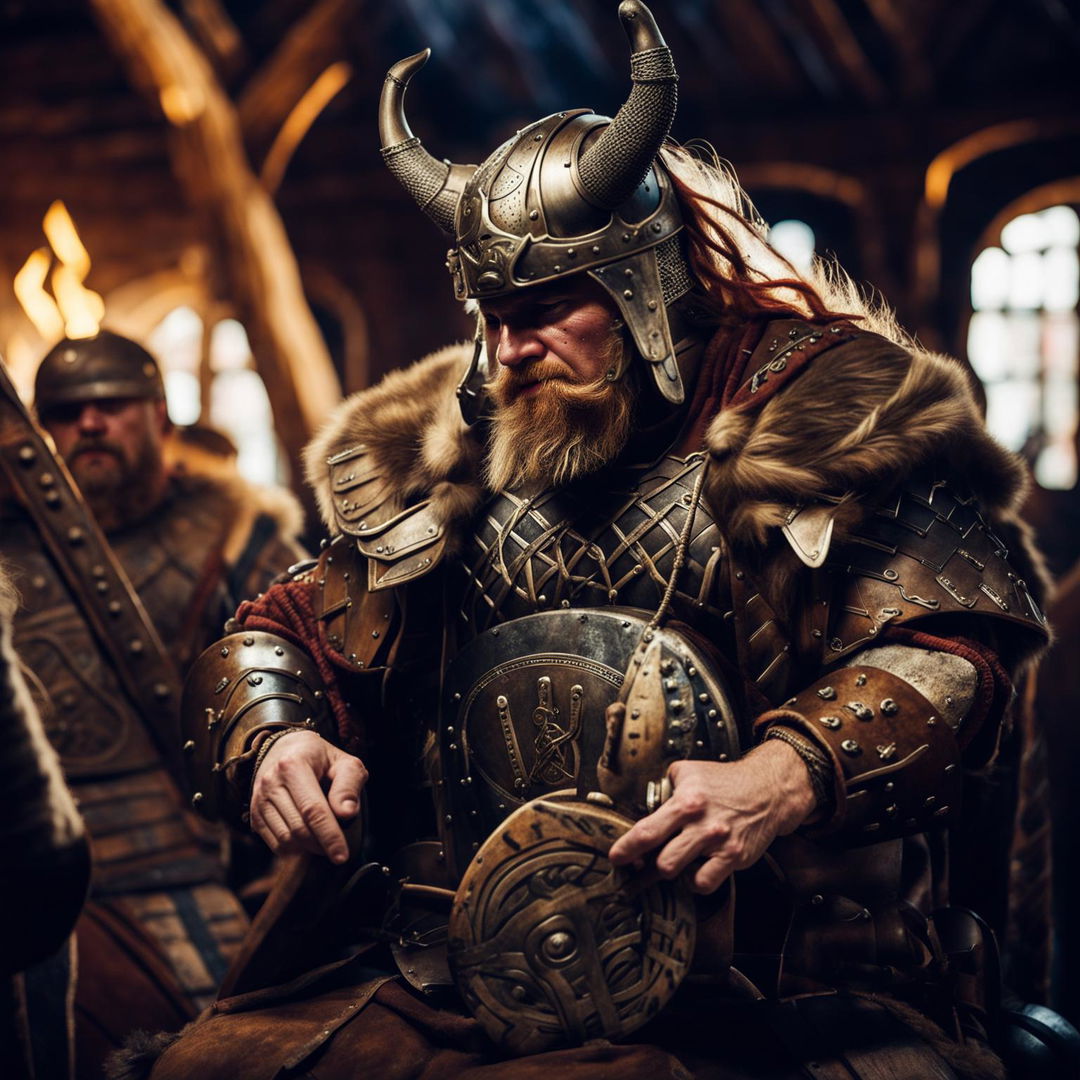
897	761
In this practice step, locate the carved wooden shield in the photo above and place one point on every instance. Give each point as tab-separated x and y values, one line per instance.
551	945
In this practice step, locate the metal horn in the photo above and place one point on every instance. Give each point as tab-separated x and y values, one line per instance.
435	185
611	169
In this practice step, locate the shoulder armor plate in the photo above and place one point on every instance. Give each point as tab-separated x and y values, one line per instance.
356	622
786	348
926	552
400	544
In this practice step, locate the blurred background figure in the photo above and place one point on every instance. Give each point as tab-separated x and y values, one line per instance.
163	922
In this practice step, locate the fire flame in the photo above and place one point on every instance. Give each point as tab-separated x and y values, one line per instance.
76	310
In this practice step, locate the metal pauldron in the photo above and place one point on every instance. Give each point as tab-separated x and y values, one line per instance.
547	759
897	760
247	685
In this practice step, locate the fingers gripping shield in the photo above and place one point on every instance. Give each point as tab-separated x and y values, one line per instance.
551	945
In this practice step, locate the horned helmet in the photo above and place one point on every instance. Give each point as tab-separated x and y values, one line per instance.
106	365
571	193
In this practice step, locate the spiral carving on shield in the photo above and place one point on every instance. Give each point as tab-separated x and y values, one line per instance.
551	945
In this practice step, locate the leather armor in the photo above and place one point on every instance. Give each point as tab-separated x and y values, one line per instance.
243	688
610	541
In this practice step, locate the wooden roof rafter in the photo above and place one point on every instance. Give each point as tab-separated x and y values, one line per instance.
833	33
763	52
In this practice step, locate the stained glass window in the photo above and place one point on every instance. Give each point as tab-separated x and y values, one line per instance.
1024	339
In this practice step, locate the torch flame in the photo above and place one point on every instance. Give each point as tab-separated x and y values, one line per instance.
39	306
77	311
83	309
64	239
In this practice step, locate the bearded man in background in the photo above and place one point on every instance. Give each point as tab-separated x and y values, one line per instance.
162	926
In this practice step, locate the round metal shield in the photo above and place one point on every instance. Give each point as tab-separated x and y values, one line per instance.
551	945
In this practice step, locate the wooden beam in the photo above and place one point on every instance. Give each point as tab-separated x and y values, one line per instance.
759	48
257	265
313	43
216	33
906	25
834	36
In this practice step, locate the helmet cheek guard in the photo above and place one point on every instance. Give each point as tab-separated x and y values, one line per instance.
572	193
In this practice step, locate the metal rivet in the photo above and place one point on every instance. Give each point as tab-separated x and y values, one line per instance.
827	693
850	746
889	707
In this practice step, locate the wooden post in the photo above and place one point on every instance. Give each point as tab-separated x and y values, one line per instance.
258	268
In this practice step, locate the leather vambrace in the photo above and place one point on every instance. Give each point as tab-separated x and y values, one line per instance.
242	690
896	759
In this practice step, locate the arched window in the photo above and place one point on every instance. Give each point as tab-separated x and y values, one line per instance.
238	404
1024	339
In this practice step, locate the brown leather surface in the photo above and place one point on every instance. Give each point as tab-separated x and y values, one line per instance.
381	1029
897	762
124	985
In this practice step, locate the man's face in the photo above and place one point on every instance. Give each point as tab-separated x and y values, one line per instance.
559	332
113	447
558	414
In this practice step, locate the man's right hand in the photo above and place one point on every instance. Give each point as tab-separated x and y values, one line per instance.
288	807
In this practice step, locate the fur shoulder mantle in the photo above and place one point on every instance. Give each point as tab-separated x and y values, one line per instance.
222	498
860	418
856	421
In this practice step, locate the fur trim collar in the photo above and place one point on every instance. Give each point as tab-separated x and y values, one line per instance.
857	420
224	495
412	427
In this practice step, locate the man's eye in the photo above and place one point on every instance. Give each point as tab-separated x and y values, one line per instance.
552	308
491	322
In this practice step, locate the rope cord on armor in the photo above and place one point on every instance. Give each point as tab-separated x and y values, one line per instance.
681	548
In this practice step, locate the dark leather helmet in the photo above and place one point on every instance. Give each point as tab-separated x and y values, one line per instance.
106	365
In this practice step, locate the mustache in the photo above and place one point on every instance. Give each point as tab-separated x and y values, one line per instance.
92	445
510	383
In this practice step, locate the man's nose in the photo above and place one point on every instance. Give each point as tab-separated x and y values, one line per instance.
91	419
515	346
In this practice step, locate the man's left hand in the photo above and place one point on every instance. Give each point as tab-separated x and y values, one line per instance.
725	814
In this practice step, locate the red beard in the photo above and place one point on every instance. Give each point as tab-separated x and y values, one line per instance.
549	430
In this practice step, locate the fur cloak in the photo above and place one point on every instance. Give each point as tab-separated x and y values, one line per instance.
846	428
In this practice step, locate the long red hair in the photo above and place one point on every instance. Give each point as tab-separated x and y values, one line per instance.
723	234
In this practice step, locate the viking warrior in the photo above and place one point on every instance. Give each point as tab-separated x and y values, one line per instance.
161	928
680	605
